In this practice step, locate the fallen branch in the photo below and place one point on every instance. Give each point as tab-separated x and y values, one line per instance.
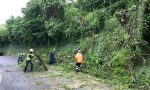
144	60
130	67
42	62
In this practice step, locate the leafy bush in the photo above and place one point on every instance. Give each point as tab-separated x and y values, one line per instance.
111	24
120	58
54	29
3	35
95	20
121	4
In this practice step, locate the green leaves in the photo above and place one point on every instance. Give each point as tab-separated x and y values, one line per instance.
3	34
35	24
54	27
121	57
92	19
145	23
33	9
111	24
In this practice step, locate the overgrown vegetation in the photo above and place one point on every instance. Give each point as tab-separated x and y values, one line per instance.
113	35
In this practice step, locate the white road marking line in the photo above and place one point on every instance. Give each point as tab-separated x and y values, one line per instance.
0	76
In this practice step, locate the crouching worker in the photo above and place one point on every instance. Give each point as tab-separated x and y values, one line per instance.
79	60
20	58
29	59
52	57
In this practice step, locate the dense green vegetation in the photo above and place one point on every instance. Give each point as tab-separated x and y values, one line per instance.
113	35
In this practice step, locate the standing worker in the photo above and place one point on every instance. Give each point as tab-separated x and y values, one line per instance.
29	59
79	60
52	57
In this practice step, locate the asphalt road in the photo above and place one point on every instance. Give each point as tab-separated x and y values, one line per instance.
11	77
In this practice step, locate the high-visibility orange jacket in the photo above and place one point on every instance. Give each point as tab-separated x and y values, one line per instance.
79	58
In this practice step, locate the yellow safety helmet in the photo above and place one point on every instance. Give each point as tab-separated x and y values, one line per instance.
31	50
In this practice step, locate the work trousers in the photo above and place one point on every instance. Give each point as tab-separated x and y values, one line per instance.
27	63
78	66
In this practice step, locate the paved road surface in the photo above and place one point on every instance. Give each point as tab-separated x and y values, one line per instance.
54	79
12	77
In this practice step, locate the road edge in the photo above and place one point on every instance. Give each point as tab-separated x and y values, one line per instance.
0	76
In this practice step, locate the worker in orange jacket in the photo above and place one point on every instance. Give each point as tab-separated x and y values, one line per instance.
79	60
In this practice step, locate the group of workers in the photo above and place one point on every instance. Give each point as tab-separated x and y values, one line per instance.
30	56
